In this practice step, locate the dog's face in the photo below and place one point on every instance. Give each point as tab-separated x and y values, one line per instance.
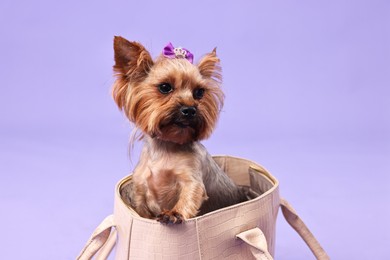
169	99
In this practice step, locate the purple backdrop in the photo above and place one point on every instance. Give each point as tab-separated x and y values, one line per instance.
307	96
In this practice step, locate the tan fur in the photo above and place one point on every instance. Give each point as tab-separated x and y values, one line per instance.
168	182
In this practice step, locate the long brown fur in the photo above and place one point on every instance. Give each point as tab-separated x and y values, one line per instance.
175	178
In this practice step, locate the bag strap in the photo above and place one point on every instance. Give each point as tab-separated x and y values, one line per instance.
102	239
296	223
258	244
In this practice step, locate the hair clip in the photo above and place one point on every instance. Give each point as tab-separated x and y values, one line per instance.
180	53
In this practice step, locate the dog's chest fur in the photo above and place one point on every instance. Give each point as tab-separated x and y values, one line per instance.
165	168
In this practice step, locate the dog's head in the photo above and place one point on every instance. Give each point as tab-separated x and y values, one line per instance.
169	98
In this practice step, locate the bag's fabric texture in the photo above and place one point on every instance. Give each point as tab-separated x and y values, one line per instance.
241	231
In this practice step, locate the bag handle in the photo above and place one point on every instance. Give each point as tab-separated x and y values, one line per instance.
102	240
255	238
258	245
296	223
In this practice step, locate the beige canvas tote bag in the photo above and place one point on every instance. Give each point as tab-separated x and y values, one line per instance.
241	231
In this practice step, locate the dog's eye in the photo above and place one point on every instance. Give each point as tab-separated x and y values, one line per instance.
165	88
198	93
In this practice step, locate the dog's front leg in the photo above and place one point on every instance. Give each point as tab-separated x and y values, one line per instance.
191	197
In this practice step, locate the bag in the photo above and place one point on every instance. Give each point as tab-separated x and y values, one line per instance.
242	231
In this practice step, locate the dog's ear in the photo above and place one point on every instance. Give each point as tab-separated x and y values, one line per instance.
131	59
132	64
209	66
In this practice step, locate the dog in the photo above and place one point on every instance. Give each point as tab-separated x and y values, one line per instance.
174	104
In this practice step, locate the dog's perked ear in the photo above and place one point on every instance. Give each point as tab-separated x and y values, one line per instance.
210	68
132	64
131	59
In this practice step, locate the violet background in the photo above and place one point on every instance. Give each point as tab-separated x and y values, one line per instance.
307	96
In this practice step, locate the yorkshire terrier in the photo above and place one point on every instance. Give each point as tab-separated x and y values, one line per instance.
174	104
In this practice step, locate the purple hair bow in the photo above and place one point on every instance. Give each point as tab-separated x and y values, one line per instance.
181	53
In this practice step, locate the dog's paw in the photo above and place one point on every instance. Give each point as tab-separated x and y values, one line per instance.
170	217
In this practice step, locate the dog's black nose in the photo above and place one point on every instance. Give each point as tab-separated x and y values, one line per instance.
188	111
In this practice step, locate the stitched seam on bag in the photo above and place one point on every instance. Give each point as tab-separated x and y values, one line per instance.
129	242
197	236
